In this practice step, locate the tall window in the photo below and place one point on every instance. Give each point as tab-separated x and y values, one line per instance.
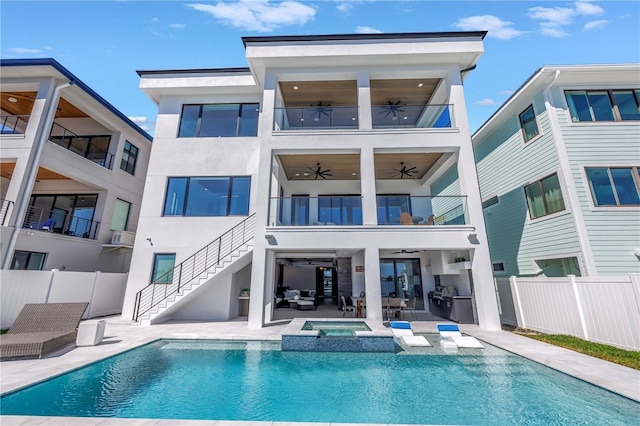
603	105
391	206
340	210
207	196
163	264
544	197
71	214
528	124
129	158
28	260
614	186
120	218
219	120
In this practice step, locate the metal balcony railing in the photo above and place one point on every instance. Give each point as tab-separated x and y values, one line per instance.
59	222
411	116
343	210
5	211
80	145
13	124
421	210
316	118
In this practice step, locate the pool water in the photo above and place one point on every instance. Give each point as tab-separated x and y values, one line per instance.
336	328
176	379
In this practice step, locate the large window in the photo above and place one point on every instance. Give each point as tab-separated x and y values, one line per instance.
559	267
544	197
340	209
603	105
163	264
614	186
219	120
120	218
528	124
391	206
129	158
71	214
207	196
28	260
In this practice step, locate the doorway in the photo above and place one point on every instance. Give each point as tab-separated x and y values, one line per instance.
401	278
327	284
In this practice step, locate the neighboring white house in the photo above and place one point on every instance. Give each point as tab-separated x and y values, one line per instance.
73	169
325	166
558	170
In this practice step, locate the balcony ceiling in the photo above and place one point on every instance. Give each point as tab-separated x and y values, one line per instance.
347	166
24	105
6	171
408	92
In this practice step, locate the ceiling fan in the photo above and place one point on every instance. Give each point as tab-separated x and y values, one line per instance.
318	172
392	109
404	171
405	251
320	110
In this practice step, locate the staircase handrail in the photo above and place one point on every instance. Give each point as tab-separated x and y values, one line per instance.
204	259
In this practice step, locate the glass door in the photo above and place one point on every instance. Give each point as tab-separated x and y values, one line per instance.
401	278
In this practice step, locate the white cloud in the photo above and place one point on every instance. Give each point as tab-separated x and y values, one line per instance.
552	15
24	50
345	6
178	26
592	25
552	31
554	20
507	92
485	102
584	8
258	15
155	19
143	122
497	27
367	30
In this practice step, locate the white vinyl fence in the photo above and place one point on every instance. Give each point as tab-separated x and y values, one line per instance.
103	291
600	309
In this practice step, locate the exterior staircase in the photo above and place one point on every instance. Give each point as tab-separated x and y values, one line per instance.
172	287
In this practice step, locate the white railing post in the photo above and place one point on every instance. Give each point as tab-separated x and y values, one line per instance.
576	294
519	313
93	291
53	275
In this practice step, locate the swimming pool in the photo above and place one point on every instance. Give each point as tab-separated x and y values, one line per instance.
236	380
336	328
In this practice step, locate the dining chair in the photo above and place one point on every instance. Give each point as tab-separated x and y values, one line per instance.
411	305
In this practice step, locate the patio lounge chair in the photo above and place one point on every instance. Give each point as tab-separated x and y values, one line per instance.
402	330
450	332
40	329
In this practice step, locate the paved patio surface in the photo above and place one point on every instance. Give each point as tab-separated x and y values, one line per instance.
121	335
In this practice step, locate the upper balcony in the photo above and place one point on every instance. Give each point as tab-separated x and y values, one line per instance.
93	148
334	105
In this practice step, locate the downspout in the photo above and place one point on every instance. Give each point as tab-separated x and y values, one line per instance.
565	168
23	202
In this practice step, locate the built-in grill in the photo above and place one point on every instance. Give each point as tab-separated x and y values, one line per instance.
442	292
444	302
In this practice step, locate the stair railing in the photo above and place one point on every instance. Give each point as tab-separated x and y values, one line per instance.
183	274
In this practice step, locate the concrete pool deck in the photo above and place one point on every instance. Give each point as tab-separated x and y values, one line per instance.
121	335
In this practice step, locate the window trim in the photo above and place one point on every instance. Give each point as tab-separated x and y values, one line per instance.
126	221
199	120
128	151
504	267
535	119
497	201
153	265
186	198
589	192
614	106
577	255
29	254
548	215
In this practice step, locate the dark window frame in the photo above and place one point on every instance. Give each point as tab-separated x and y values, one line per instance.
129	151
349	220
154	265
186	196
523	123
539	182
29	254
635	174
617	117
199	119
492	201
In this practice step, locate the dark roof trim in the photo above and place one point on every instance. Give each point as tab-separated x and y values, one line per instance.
379	36
195	71
76	81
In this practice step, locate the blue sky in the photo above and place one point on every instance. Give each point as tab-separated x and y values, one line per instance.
104	43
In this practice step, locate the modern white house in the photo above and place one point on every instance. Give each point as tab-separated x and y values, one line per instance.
322	171
73	169
558	170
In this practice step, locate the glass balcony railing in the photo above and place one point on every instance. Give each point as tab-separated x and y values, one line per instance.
316	118
13	124
421	210
411	116
84	146
316	211
59	222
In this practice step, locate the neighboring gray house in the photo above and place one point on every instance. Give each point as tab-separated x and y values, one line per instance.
558	171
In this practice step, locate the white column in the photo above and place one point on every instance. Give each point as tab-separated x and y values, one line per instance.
372	284
368	187
364	101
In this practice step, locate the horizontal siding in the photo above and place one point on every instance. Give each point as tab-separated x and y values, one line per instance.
613	233
505	164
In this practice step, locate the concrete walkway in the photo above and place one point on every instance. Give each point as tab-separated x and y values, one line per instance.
121	336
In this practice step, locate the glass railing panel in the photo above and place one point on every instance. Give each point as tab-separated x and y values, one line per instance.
56	221
411	116
316	211
80	145
421	210
13	124
316	118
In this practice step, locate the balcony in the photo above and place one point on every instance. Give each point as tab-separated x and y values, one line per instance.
13	124
318	117
316	211
421	210
59	222
87	146
395	115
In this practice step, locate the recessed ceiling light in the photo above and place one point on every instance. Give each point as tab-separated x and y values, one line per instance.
353	174
297	174
420	84
295	87
305	174
12	99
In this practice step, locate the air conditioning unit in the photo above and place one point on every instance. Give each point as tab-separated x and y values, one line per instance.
124	238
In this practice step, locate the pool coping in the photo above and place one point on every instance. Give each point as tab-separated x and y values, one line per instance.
122	336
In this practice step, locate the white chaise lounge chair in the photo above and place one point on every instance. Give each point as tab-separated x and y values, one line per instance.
450	332
402	330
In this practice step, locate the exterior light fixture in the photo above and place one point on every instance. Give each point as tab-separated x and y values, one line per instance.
636	252
295	87
12	100
420	84
271	240
472	237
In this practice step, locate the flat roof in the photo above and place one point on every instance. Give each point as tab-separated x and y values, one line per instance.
196	71
32	62
376	36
